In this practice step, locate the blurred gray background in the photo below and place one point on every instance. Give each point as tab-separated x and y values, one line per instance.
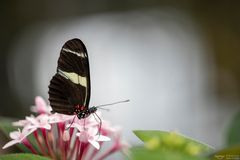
177	61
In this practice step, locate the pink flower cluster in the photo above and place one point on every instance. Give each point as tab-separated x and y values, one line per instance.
64	137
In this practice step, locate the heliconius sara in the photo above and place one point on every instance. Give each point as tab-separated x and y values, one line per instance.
70	88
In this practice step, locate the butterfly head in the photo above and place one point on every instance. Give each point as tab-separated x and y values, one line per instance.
81	114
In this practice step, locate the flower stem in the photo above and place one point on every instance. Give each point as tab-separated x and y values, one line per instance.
61	128
35	133
78	150
95	151
29	146
50	151
74	149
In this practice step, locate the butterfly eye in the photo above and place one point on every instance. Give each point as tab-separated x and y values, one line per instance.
82	108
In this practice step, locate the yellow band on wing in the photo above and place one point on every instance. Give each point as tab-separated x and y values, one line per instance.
75	78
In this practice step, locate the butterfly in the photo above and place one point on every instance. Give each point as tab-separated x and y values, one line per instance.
70	88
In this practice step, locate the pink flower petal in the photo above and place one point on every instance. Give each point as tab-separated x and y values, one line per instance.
18	137
15	134
20	123
40	103
83	136
66	136
102	138
10	143
57	118
25	133
95	144
76	125
41	106
32	120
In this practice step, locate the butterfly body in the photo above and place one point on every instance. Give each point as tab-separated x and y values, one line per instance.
69	89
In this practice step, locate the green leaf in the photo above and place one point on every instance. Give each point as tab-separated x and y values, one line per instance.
233	135
230	153
162	140
141	153
22	156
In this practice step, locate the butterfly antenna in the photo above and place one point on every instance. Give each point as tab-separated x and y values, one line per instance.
105	109
110	104
71	123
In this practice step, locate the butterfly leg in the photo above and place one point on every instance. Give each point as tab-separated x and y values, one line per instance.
100	123
84	122
71	123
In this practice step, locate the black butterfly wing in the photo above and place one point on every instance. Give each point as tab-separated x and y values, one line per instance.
64	95
70	86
